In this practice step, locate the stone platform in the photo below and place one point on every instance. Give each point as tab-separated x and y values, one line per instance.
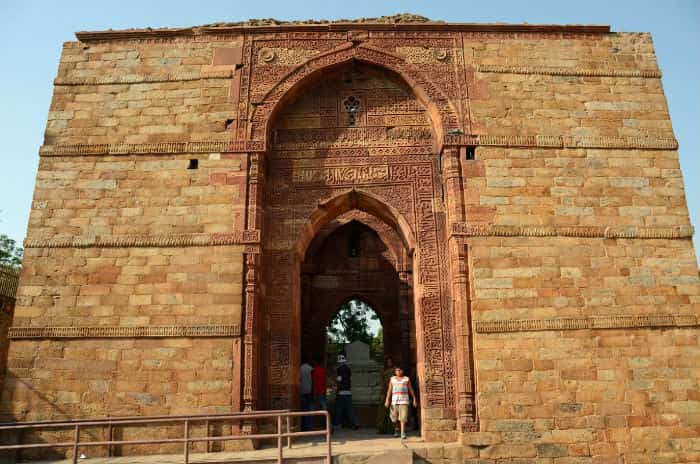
348	447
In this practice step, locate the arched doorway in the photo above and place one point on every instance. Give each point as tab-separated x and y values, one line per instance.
349	261
369	159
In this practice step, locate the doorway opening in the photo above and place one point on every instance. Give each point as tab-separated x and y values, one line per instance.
355	321
357	301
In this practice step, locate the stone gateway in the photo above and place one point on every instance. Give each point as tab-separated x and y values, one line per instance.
507	198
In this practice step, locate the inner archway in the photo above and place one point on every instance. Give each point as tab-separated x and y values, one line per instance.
348	263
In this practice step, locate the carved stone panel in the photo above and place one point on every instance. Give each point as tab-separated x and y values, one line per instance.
309	166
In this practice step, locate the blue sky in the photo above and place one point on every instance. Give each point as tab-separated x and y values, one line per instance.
31	34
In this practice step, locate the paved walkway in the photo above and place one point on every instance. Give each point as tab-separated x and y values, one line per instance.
344	442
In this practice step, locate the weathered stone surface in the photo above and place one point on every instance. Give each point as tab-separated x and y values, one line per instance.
508	198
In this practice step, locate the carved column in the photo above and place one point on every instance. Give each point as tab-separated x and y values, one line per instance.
250	348
452	183
256	180
406	312
459	301
251	329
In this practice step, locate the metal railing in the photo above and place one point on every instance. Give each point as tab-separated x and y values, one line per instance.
111	422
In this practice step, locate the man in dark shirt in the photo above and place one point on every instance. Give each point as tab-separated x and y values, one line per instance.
343	397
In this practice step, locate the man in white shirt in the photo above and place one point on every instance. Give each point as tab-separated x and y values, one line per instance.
307	395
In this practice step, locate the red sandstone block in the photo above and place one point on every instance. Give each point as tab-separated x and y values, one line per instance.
217	178
236	179
606	459
518	365
481	213
473	169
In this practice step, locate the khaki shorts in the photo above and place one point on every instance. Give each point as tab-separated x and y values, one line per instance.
398	413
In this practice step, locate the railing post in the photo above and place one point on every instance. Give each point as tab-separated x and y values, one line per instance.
76	439
328	437
187	442
279	439
289	438
110	437
206	425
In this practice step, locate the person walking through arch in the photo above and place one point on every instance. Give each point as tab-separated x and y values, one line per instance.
343	397
397	393
307	396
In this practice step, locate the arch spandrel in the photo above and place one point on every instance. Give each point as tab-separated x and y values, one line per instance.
267	106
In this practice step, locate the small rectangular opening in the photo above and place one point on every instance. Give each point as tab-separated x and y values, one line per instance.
194	164
471	153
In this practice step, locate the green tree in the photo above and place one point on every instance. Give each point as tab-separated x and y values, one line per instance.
351	323
376	348
10	253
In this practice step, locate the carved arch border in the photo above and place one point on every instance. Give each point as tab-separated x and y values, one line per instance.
349	200
388	236
443	116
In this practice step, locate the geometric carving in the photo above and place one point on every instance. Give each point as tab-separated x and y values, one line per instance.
315	138
126	331
553	71
416	138
478	230
9	281
556	141
399	190
341	175
132	241
145	78
604	322
284	56
200	146
437	102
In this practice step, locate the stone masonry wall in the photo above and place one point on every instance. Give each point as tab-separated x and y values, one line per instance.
622	188
131	92
137	195
125	289
109	246
549	387
573	283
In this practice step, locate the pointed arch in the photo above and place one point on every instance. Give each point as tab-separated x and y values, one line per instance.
354	199
388	236
443	116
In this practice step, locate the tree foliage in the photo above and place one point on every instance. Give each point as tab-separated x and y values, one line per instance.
10	253
376	348
351	323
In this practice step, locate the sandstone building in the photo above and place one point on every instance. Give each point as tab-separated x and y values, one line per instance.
507	197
